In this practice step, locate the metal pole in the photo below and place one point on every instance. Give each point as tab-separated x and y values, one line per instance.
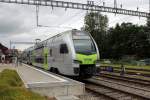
115	4
37	15
10	44
149	7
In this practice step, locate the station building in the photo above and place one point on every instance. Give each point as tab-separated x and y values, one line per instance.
7	54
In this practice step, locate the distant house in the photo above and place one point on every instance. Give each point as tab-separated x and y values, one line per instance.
7	52
3	49
1	54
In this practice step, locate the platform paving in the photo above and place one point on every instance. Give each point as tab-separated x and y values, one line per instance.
32	75
46	83
6	66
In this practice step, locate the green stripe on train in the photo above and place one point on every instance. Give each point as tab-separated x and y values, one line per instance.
45	58
87	59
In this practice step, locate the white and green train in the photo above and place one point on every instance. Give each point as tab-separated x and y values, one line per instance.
71	53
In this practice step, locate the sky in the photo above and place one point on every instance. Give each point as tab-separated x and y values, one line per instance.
18	22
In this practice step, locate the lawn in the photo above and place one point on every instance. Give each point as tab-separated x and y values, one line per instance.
130	69
128	66
12	87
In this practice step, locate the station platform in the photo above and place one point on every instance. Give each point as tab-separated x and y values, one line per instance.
46	83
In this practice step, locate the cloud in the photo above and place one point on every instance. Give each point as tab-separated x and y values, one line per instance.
9	22
10	26
18	22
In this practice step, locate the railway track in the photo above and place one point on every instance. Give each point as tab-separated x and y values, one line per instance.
129	78
117	90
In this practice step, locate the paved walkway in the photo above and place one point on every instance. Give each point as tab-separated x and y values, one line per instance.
32	75
6	66
45	83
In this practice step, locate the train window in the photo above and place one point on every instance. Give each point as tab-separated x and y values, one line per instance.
63	48
45	58
39	60
50	52
84	46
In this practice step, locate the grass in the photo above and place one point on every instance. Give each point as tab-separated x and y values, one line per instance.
144	70
128	66
134	71
12	87
10	78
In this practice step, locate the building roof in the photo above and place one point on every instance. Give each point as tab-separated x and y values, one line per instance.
3	49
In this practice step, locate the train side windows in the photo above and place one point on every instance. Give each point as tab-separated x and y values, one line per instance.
46	58
39	60
63	48
50	52
28	54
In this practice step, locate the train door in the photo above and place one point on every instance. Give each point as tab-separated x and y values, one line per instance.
63	54
46	58
58	58
51	56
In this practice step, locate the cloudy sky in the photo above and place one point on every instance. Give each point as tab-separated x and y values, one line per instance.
18	22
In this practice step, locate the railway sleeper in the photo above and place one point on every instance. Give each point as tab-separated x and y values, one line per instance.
131	92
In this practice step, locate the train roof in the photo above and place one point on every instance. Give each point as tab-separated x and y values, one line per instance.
57	35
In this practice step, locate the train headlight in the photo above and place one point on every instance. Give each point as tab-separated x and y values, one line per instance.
97	63
76	65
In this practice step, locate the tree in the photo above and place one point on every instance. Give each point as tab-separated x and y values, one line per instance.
128	39
96	24
148	28
148	22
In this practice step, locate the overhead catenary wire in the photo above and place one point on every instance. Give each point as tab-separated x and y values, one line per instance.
71	17
57	26
48	26
40	25
74	5
74	17
23	1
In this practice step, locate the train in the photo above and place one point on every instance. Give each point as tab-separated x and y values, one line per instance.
70	53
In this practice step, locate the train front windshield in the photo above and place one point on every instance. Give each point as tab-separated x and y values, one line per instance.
84	46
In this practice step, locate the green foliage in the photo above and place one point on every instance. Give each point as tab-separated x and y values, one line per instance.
123	40
128	39
129	66
96	24
148	22
11	87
